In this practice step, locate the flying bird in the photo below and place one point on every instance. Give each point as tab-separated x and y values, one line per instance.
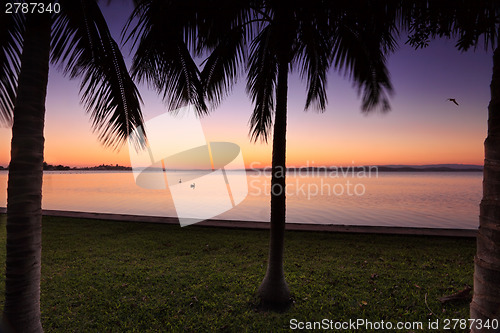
452	100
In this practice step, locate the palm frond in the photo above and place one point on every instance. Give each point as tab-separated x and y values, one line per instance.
465	20
359	49
221	68
83	47
217	18
313	57
162	36
261	83
474	19
11	44
311	49
225	26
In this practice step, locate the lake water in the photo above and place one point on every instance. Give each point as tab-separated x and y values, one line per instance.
420	199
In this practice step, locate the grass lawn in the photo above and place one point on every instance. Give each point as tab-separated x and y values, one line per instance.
101	276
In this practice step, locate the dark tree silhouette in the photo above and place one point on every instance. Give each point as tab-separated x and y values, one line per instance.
269	39
79	41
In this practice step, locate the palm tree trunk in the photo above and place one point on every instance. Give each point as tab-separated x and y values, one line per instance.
24	203
486	301
274	290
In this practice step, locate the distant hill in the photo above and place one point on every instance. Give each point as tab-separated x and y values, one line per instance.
106	167
50	167
393	168
427	166
432	167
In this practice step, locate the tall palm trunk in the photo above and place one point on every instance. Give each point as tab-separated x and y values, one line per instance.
24	213
486	301
274	289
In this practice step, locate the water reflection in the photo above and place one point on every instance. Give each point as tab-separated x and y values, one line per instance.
430	199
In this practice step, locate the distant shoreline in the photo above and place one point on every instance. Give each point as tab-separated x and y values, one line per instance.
291	169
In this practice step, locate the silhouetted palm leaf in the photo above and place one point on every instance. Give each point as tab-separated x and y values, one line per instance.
314	62
221	68
84	48
360	41
225	41
163	36
11	43
261	82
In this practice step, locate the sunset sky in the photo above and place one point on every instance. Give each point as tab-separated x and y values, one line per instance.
421	128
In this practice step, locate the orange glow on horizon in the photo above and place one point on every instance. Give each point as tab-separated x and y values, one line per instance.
86	151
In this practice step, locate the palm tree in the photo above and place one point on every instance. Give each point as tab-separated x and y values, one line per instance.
79	41
472	22
486	300
270	38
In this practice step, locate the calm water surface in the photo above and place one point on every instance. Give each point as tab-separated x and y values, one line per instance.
426	199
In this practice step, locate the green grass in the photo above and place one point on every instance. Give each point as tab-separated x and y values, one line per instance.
101	276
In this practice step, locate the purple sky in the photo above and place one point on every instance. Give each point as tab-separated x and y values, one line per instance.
422	128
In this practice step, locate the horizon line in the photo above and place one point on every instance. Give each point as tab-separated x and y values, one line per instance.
109	167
